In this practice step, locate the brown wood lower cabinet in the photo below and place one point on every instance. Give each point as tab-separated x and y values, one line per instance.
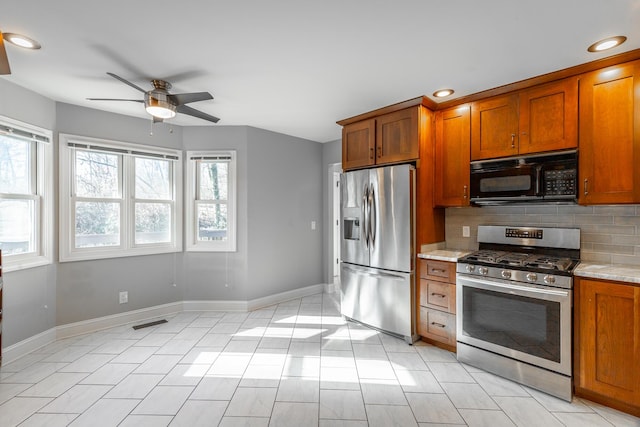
607	343
437	303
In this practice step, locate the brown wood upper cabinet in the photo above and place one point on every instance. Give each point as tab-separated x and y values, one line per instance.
610	135
453	139
607	343
359	144
389	138
538	119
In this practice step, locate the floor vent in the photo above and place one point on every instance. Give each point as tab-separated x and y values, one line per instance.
146	325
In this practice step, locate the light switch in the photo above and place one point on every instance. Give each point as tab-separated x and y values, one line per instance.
466	232
313	225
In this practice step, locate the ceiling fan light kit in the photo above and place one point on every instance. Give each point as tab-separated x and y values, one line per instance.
159	108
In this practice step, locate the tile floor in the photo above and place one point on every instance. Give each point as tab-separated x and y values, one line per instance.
294	364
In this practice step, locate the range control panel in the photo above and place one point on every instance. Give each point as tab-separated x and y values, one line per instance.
524	233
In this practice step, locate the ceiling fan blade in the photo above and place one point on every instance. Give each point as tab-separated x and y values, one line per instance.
127	82
185	98
114	99
4	61
195	113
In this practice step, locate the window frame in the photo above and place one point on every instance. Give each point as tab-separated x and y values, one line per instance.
41	187
127	176
192	202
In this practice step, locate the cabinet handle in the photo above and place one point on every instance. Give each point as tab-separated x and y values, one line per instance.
440	325
371	153
464	192
513	140
379	151
586	186
437	270
438	295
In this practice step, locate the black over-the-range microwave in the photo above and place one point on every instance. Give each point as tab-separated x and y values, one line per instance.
540	178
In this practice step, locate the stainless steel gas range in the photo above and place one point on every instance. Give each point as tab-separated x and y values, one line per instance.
514	300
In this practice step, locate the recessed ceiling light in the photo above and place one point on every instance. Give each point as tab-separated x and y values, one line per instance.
607	43
22	41
442	93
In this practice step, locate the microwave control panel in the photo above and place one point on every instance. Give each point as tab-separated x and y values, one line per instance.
559	182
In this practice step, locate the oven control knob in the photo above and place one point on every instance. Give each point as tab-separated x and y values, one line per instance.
506	274
532	277
549	279
471	268
483	270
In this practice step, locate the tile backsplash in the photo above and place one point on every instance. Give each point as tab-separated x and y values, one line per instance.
609	234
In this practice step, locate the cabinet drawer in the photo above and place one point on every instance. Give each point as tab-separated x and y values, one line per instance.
437	325
440	271
438	295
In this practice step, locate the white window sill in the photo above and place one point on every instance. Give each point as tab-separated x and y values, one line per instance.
9	265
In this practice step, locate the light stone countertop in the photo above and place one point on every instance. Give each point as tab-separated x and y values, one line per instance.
450	255
617	272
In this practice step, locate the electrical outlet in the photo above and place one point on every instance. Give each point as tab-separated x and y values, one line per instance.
313	225
466	232
124	297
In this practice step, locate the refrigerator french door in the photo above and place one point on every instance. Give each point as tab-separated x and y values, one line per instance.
377	238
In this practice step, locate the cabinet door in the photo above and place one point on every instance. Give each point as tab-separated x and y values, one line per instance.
397	136
549	117
494	127
610	135
453	141
358	144
607	319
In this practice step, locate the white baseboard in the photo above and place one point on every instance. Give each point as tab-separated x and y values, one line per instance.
257	303
215	306
24	347
100	323
35	342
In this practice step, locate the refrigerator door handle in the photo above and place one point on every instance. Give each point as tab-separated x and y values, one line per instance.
365	216
373	219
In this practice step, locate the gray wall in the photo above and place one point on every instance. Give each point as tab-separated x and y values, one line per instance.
29	297
280	184
279	194
284	196
89	289
206	273
609	234
331	154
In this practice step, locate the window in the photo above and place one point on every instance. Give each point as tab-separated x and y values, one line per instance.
211	208
26	195
118	199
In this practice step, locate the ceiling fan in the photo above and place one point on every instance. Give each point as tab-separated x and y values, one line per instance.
164	105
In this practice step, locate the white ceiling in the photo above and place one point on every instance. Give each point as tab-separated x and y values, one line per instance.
296	66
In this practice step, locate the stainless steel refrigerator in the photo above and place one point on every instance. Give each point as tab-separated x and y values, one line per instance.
377	240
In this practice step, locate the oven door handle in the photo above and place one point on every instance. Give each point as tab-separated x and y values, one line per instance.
510	287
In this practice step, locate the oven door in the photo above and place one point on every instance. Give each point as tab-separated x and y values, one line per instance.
528	323
509	183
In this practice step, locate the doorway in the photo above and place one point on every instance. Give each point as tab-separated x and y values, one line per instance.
333	231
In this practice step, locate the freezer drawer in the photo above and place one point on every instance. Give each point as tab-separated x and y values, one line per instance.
379	298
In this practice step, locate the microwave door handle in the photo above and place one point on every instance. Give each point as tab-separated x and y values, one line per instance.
538	179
